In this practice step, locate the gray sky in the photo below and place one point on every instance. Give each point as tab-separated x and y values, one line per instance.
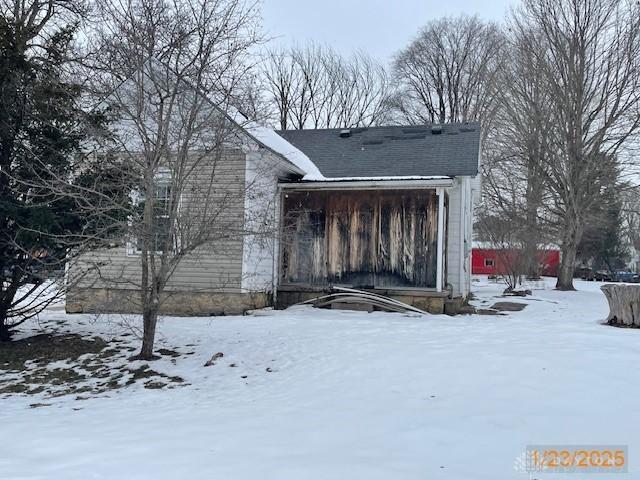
379	27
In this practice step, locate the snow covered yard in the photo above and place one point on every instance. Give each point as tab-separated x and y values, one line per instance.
321	394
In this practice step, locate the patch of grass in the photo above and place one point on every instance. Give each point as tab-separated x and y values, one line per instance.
20	387
144	371
168	353
139	373
28	363
154	385
46	348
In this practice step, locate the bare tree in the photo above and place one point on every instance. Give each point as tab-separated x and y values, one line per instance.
505	239
169	72
281	81
518	145
448	73
310	88
631	220
315	87
248	99
587	54
357	91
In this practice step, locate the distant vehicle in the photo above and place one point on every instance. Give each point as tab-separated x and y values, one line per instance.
602	276
585	273
589	274
628	277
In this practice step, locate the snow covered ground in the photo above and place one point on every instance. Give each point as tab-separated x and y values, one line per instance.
349	395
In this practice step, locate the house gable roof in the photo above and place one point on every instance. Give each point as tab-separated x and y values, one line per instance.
396	151
296	161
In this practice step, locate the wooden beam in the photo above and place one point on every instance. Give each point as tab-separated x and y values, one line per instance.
439	254
369	184
277	245
362	238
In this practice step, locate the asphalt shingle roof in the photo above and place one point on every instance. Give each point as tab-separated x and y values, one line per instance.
391	151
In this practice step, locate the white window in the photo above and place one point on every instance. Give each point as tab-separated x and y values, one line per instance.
488	262
162	205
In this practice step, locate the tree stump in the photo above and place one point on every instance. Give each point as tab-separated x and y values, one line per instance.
624	304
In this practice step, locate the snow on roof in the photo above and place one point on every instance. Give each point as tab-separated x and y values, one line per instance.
275	142
387	178
270	139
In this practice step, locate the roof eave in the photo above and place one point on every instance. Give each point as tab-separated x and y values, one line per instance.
369	184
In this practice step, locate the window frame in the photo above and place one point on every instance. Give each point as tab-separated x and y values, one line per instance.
162	179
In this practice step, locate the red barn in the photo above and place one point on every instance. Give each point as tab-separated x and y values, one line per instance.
489	261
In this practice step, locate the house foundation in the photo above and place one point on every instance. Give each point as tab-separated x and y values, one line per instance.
179	303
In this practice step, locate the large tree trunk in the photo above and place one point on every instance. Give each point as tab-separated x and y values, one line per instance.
570	242
624	304
531	239
6	299
567	266
5	333
149	321
530	260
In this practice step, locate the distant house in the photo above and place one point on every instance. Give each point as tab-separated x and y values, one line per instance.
387	209
487	260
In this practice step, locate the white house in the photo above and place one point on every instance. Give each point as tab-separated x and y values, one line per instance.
387	209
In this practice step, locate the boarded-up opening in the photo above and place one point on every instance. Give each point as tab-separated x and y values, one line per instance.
367	238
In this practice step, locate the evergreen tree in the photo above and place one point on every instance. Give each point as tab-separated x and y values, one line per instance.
41	131
603	243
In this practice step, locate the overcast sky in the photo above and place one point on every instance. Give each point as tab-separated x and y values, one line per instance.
379	27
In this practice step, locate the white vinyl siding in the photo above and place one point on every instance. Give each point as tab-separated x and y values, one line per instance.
454	238
262	212
459	235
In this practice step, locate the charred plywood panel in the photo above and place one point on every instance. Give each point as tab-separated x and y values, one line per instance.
365	238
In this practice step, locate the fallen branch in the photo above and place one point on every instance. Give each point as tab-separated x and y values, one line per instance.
212	360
